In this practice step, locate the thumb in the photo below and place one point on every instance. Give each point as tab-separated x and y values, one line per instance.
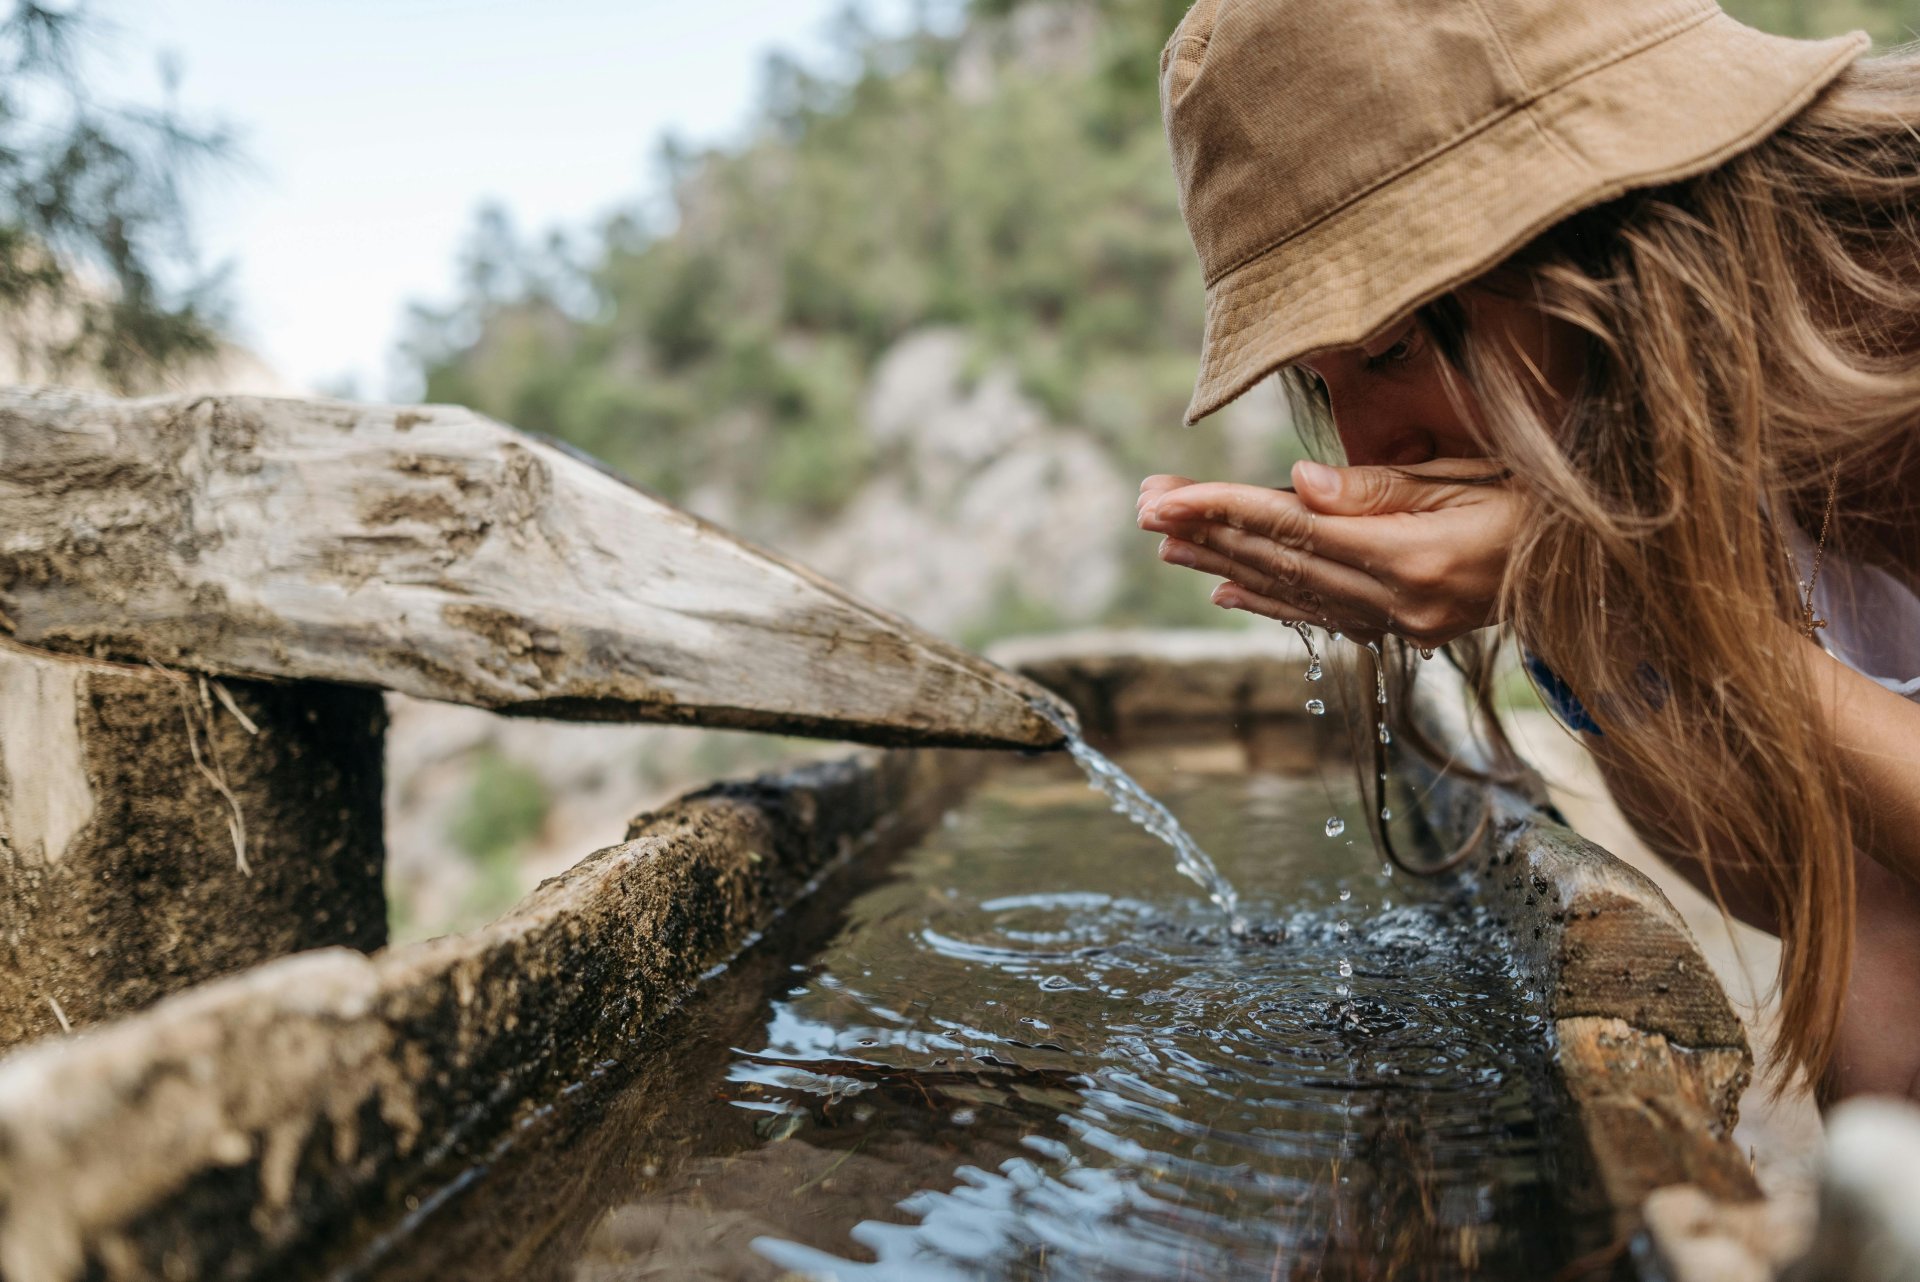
1375	491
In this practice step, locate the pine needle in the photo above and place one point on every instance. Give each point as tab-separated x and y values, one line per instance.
226	700
215	774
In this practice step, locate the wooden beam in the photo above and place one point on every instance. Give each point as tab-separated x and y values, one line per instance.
433	551
240	1129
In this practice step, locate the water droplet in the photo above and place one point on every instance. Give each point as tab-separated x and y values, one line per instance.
1386	813
1341	928
1346	968
1339	636
1336	826
1313	655
1341	990
1345	894
1425	652
1386	736
1316	707
1386	869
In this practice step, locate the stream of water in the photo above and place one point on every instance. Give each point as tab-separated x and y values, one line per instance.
1137	804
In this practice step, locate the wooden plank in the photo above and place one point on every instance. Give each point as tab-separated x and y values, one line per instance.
1122	680
1618	949
233	1130
1649	1056
433	551
1651	1114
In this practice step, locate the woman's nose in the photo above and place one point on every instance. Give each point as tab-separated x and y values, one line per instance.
1403	448
1381	440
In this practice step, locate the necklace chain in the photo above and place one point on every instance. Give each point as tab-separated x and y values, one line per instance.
1810	620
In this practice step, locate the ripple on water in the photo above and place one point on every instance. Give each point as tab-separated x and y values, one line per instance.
1037	1051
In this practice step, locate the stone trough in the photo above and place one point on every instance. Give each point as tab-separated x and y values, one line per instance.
246	1128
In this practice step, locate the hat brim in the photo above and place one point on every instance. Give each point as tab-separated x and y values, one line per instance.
1665	112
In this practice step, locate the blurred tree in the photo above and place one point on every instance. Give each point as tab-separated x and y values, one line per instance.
506	805
1014	187
1004	174
1889	21
96	267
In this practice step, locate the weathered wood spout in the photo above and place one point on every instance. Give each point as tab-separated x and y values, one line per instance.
435	552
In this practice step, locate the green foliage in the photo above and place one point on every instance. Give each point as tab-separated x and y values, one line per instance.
1011	613
735	338
400	916
1890	22
504	809
733	754
1516	689
1156	595
96	271
934	179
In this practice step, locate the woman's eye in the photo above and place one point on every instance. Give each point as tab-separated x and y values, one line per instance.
1400	351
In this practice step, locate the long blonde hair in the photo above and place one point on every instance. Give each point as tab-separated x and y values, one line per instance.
1753	333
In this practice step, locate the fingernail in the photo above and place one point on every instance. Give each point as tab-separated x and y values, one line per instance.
1316	476
1176	554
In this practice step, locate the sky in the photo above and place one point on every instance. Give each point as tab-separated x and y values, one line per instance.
372	129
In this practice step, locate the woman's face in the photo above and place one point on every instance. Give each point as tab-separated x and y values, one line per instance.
1390	403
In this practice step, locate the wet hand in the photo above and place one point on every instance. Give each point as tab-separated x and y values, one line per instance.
1418	551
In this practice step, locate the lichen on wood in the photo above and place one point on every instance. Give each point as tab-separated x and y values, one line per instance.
435	552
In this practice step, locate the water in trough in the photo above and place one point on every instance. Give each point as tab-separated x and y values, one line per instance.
1028	1048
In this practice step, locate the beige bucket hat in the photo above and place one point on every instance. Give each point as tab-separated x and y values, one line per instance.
1344	162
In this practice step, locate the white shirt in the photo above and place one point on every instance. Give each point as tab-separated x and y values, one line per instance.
1873	619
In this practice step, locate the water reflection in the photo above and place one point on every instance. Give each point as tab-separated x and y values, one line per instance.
996	1070
1035	1051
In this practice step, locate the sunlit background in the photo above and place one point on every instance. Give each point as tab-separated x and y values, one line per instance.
375	130
899	288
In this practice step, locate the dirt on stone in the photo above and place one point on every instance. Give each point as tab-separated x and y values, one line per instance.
226	828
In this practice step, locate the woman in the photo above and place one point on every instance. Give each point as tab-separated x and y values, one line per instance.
1615	310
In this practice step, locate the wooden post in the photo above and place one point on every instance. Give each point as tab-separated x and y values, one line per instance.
160	828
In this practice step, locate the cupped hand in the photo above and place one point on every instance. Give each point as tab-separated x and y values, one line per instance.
1417	551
